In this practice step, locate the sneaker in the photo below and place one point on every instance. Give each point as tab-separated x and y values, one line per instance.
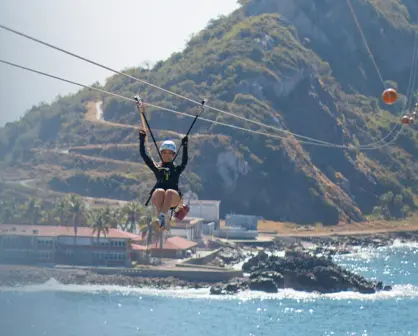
161	218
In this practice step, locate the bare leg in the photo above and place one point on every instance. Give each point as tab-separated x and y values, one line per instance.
158	199
171	199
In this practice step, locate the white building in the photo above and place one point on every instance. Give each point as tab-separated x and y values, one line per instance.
189	228
208	210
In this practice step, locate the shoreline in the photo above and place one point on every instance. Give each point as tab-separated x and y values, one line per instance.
15	276
217	273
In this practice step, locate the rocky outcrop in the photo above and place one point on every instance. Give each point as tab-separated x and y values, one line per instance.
230	255
299	271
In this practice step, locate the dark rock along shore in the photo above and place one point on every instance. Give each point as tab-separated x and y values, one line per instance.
300	271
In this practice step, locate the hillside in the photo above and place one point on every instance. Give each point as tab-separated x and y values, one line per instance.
293	64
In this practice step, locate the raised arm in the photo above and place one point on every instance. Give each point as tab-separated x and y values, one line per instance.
185	156
144	154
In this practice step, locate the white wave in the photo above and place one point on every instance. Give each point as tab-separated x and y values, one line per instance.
369	253
398	292
397	243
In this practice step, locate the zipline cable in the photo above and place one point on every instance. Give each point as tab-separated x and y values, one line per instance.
189	115
310	139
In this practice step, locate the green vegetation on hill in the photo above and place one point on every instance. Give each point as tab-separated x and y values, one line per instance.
299	65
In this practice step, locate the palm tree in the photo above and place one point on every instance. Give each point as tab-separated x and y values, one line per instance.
99	223
32	211
131	213
151	223
147	227
8	211
115	216
76	209
62	211
47	218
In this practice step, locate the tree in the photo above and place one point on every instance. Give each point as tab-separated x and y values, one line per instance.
99	222
62	211
8	211
147	226
76	209
32	211
131	213
113	217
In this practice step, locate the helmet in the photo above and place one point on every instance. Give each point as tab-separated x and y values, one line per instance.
168	145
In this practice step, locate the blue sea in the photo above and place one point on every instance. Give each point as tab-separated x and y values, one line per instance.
68	310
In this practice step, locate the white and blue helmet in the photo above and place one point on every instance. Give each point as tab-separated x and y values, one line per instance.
168	145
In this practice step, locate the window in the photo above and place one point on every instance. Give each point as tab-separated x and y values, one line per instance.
68	253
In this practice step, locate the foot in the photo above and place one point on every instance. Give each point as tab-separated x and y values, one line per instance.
161	218
156	223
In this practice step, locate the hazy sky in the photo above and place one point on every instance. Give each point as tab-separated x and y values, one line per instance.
118	34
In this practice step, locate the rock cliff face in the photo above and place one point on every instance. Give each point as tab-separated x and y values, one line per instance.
300	68
230	167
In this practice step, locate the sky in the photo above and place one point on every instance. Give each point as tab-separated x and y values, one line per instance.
118	34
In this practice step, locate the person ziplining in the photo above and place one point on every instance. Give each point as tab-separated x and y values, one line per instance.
165	194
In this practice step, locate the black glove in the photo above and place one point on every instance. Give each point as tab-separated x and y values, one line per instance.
185	141
142	135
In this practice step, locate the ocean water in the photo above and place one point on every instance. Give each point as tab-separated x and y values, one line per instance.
53	309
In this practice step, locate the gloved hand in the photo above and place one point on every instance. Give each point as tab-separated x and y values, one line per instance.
185	141
142	135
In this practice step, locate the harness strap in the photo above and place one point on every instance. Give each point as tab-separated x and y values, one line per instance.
149	199
202	108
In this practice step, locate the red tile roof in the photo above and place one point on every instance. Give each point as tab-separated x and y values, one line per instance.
54	231
172	243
